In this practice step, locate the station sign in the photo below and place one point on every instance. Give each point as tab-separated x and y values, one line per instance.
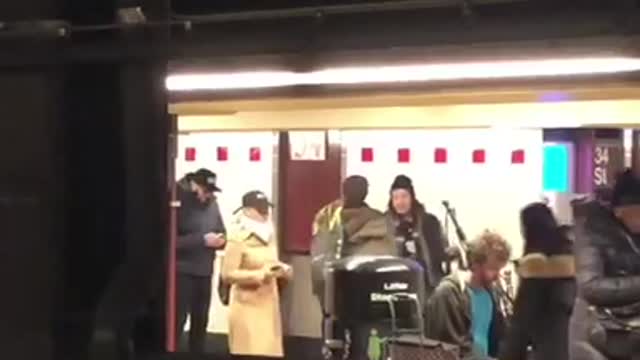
307	145
608	161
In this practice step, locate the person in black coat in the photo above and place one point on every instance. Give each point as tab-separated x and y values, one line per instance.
418	233
609	270
547	290
201	232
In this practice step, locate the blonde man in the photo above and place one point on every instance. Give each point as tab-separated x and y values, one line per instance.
464	309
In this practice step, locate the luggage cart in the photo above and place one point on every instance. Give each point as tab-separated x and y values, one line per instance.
354	302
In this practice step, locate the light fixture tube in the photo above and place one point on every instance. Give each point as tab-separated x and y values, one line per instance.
403	73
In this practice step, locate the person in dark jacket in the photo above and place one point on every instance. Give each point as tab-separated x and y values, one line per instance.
609	270
464	309
547	290
418	233
201	231
583	318
347	227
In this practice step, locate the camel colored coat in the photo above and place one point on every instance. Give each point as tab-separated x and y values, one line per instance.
255	327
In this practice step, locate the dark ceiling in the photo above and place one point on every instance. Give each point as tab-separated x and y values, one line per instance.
316	31
205	32
202	7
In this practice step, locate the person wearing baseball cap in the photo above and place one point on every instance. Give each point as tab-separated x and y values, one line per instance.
608	269
201	231
256	200
204	184
253	271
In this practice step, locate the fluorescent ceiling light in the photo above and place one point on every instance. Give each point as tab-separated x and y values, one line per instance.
403	73
232	81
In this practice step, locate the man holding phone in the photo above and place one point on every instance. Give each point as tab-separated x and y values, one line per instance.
201	232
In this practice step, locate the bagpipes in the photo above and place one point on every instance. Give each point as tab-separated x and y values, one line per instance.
504	286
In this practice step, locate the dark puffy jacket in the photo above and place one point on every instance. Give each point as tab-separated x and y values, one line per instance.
608	259
449	316
542	308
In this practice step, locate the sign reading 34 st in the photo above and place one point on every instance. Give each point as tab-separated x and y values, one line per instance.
608	161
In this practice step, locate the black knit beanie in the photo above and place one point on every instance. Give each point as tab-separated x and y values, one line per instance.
405	183
627	190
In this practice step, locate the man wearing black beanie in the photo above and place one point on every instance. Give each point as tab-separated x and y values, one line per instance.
418	233
608	259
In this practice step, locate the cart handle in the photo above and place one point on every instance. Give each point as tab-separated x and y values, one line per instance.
391	300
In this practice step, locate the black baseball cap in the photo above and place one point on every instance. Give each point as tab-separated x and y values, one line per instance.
256	200
207	179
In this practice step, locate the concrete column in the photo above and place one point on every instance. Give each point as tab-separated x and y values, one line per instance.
31	188
116	204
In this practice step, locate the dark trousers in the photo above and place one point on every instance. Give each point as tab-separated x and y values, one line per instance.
193	299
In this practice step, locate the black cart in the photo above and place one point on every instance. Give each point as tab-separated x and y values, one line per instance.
372	306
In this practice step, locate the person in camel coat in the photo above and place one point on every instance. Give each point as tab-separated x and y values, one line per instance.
252	268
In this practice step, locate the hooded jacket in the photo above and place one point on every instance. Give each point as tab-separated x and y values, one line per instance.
340	232
448	317
542	309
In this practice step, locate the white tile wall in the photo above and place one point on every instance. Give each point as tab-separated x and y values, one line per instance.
488	195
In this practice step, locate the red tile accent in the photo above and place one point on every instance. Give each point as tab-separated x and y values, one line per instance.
517	156
479	156
255	154
404	155
440	156
367	155
222	153
190	154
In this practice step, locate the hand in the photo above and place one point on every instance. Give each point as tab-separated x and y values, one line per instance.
280	270
288	273
266	274
213	240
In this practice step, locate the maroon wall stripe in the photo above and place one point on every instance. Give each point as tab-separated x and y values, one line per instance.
304	187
